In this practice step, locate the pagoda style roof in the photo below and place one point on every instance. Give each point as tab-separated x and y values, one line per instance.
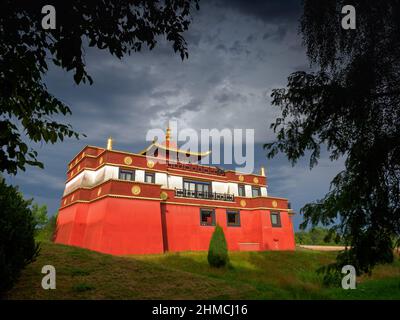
170	149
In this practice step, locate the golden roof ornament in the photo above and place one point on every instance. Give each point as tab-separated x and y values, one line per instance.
168	135
169	146
109	143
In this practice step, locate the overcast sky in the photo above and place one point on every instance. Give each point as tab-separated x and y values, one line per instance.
238	52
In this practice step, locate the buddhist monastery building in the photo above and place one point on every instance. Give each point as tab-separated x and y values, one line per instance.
120	203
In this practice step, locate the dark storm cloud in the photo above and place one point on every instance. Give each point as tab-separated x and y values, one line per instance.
163	93
193	105
224	97
221	46
271	11
282	14
239	48
251	38
276	35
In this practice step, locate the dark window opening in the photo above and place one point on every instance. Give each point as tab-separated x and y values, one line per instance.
233	218
276	219
127	175
149	177
242	192
207	217
197	189
201	190
256	192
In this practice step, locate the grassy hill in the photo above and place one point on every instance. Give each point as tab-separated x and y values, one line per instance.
83	274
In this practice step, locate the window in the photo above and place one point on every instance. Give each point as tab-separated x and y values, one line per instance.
256	192
127	175
207	217
149	177
196	189
276	219
242	192
233	218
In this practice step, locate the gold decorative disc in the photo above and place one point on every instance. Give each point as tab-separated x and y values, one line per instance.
101	160
243	203
241	178
65	201
99	192
255	180
83	154
164	195
274	203
136	190
79	167
150	164
73	197
128	160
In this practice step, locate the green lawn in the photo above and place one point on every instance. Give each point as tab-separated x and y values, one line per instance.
83	274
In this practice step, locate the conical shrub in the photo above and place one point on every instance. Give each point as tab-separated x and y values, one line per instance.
218	250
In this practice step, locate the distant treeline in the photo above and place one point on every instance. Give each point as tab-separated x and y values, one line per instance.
317	236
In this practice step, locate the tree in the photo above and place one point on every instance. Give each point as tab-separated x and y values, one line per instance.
121	27
49	230
349	104
17	229
40	215
317	236
218	250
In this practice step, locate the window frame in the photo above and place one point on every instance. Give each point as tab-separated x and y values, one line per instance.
230	211
151	174
213	220
279	221
253	188
125	171
242	187
196	184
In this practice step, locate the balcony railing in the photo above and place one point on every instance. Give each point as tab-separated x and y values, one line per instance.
204	195
196	168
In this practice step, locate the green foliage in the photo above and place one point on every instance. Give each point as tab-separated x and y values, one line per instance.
350	105
176	275
17	228
218	249
27	108
317	236
40	215
82	287
48	231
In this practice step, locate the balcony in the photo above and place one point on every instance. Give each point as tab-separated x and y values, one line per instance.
204	195
196	168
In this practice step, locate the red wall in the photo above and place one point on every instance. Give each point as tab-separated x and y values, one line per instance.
278	238
139	226
185	233
112	225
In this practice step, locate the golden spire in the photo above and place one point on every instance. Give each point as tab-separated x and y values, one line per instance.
168	135
262	171
109	143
